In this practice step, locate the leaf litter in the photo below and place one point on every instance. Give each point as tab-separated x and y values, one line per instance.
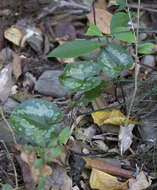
38	41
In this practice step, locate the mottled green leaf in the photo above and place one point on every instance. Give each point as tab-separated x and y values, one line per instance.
146	48
80	76
35	120
124	34
93	30
114	59
75	48
64	134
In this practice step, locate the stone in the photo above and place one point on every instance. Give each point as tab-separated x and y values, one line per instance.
149	60
6	136
49	85
9	105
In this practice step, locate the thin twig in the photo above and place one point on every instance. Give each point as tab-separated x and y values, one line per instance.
94	15
11	160
137	66
8	125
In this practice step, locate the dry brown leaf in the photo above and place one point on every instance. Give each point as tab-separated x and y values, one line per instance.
17	70
103	181
113	117
59	180
141	182
103	19
101	4
29	157
14	35
99	103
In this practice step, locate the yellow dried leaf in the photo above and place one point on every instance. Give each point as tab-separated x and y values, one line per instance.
114	117
103	19
103	181
14	35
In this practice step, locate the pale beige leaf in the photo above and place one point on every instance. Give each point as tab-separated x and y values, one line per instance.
14	35
141	182
125	137
103	19
5	82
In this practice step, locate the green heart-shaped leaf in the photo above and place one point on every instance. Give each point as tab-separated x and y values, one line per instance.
35	120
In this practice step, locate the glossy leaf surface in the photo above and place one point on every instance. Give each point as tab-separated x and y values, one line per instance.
80	76
35	120
114	59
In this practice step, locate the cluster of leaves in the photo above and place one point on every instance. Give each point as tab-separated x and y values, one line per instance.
83	76
36	120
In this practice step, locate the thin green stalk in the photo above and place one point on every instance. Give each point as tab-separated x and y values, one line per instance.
137	66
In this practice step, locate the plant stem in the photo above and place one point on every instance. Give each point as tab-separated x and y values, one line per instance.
11	160
137	66
8	125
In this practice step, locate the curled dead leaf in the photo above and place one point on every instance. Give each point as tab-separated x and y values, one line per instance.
103	181
113	117
14	35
